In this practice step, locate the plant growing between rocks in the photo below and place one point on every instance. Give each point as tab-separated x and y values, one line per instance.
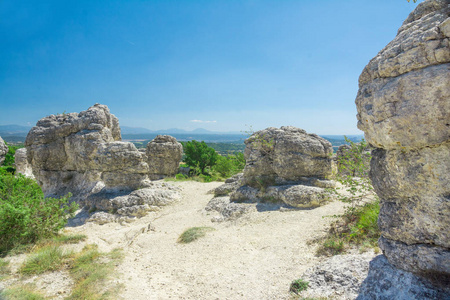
358	225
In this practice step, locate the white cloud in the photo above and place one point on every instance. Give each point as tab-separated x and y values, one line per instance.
201	121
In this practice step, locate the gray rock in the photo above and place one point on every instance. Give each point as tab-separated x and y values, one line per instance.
404	109
228	210
386	282
22	165
230	185
338	277
82	153
163	156
284	165
3	150
288	153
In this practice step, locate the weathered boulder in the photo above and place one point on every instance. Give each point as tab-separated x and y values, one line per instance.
3	150
286	165
81	153
230	185
163	156
404	109
385	281
286	154
22	165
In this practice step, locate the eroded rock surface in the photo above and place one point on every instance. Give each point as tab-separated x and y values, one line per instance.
284	166
163	156
404	109
22	165
3	150
82	153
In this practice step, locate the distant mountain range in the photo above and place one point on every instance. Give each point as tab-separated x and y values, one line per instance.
140	130
18	133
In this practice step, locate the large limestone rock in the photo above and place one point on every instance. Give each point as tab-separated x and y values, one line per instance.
286	154
284	166
3	150
404	109
163	156
82	153
21	161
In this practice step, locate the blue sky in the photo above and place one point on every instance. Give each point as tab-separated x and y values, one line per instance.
220	65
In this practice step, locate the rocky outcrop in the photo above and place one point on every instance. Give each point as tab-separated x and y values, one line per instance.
404	110
286	154
283	165
387	282
3	150
163	156
82	153
287	165
338	277
22	165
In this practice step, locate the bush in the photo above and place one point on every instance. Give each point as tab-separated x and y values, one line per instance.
25	215
199	155
9	157
298	285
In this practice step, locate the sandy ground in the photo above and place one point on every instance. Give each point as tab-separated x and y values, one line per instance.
255	257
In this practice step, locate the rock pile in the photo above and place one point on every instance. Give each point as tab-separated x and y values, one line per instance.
82	153
283	165
3	150
404	109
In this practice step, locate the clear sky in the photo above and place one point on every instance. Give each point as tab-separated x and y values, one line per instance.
219	65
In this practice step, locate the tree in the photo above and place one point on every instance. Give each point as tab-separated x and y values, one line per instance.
199	155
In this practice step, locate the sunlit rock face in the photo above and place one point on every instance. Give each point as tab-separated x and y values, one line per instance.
21	162
164	154
288	165
403	107
3	150
82	153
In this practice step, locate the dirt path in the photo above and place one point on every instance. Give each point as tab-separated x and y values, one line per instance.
255	257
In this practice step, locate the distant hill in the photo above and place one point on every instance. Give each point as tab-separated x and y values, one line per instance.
16	130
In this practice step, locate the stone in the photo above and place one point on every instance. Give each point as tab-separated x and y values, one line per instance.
22	165
228	210
288	153
230	185
82	153
3	150
404	90
163	156
338	277
403	107
385	281
285	165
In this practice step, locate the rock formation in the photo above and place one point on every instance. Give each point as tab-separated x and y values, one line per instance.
3	150
163	156
82	153
22	165
283	165
404	110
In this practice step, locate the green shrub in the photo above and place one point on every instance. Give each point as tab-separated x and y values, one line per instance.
180	176
199	155
229	165
25	215
298	286
9	157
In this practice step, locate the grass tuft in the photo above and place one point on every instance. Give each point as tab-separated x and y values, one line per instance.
48	258
90	271
193	234
24	292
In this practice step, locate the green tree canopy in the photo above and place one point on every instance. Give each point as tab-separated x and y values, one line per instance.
199	155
